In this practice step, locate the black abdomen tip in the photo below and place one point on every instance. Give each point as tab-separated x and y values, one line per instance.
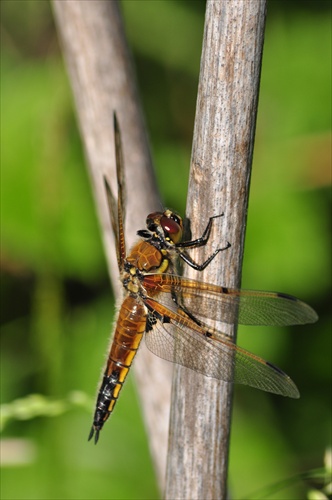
94	432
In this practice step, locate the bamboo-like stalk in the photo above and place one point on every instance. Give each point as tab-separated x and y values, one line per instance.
219	182
102	79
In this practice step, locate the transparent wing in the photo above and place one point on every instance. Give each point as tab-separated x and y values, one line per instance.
117	208
175	337
120	177
228	305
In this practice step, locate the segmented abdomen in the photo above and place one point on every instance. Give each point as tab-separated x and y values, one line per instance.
127	337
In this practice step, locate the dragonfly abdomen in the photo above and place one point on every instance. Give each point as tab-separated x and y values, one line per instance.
128	334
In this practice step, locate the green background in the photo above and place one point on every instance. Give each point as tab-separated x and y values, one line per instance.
56	303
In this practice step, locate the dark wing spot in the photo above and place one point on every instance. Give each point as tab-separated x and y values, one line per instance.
286	296
151	320
276	368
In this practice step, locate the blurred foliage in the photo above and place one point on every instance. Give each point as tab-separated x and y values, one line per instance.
56	307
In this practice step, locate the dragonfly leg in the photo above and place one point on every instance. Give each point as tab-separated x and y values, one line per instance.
199	242
184	309
200	267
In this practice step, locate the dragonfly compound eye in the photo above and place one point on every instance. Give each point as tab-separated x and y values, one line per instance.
172	228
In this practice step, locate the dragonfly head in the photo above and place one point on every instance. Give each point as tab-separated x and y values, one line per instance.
167	224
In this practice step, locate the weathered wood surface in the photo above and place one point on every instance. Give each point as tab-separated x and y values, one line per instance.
219	182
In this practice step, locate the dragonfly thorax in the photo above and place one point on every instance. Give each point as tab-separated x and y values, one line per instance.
146	257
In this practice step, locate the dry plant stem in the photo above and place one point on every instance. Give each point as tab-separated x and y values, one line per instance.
101	76
219	182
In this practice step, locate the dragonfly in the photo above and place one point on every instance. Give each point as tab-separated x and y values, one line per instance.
171	311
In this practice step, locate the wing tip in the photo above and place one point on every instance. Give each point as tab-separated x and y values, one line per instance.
290	390
310	315
115	122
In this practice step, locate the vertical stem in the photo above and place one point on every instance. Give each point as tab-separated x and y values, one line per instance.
219	183
102	79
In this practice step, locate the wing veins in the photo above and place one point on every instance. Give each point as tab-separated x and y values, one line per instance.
231	305
210	352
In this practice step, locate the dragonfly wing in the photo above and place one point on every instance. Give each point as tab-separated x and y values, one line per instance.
177	338
117	207
230	305
121	189
112	208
